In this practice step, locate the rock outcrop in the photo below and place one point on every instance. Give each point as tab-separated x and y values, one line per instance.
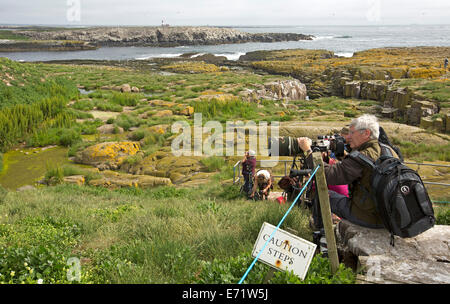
161	36
286	90
114	180
162	163
107	155
36	46
424	259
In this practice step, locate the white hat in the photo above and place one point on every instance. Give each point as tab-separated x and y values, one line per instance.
251	153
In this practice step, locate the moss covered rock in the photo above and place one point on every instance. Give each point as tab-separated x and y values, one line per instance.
107	155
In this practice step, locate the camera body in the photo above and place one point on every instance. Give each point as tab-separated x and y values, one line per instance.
334	143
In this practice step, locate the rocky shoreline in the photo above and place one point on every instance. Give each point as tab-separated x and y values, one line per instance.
35	46
159	36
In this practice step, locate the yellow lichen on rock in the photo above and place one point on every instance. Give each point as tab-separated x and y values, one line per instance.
107	155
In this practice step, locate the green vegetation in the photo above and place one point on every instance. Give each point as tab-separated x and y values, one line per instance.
225	110
56	173
213	163
443	216
231	270
163	235
421	151
21	120
11	35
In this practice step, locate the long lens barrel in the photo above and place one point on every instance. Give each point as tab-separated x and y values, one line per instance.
303	172
284	146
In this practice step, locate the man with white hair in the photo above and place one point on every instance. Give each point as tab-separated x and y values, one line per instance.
360	208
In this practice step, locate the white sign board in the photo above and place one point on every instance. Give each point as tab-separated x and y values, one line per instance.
284	251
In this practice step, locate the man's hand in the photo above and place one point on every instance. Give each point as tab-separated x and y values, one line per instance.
304	143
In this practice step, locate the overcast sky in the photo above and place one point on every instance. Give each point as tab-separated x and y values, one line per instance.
229	12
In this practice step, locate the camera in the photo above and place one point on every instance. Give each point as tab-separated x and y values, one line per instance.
298	173
288	146
335	143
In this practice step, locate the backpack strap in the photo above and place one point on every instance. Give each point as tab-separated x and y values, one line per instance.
362	159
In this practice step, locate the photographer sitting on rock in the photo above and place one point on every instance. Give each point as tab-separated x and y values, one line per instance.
359	208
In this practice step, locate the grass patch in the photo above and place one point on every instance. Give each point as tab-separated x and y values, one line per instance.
422	152
222	110
213	163
129	235
11	35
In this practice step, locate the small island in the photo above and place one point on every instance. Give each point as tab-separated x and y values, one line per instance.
63	39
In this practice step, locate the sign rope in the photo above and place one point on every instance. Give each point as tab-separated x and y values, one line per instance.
278	226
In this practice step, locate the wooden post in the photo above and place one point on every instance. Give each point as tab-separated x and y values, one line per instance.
322	190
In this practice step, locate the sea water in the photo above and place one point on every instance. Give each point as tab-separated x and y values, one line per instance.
342	40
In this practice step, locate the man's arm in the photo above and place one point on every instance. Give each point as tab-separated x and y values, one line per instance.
342	173
268	185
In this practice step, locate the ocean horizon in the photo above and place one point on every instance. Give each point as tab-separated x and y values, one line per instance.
343	40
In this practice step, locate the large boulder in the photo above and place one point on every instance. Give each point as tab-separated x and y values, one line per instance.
424	259
286	90
109	129
125	88
164	164
107	155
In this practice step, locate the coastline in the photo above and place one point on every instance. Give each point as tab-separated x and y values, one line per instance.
162	36
39	46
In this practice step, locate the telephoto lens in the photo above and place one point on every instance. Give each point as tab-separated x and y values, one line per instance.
287	146
294	173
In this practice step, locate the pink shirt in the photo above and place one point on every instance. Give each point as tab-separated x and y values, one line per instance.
341	189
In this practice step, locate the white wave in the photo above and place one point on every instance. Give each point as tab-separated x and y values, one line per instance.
323	37
196	55
232	56
344	54
158	56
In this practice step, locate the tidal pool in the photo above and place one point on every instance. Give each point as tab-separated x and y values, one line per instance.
26	166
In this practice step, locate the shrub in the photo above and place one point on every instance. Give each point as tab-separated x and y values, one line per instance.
54	136
213	163
38	249
443	217
231	270
108	106
83	105
125	99
127	121
225	108
3	193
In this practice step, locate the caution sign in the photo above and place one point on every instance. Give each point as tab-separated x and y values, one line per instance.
284	251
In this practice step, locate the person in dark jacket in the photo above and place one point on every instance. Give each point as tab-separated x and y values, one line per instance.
248	169
359	208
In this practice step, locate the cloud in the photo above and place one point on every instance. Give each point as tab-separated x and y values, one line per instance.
230	12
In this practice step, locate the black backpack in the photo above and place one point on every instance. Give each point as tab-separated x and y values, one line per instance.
399	194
